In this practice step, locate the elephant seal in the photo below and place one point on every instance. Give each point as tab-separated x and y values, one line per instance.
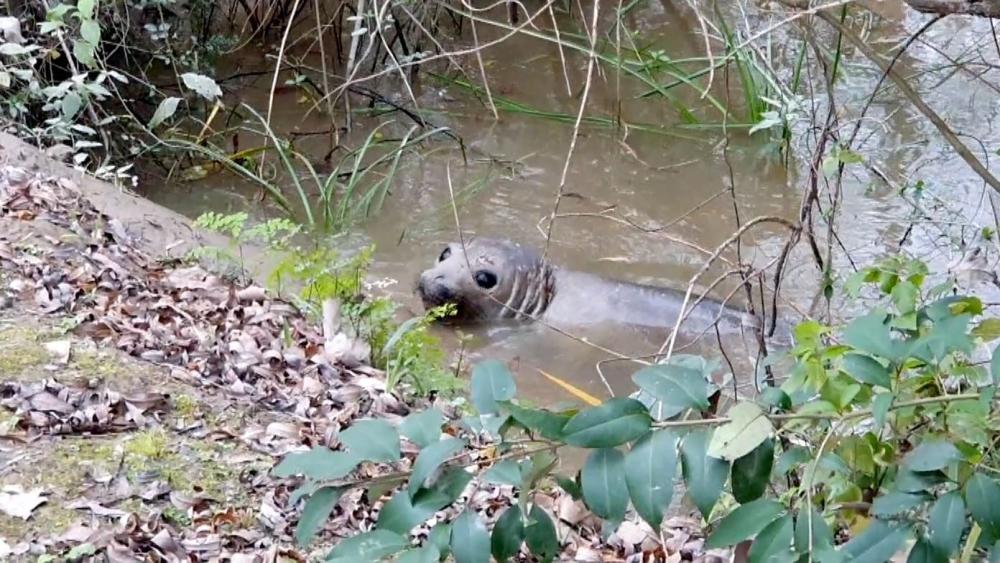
499	279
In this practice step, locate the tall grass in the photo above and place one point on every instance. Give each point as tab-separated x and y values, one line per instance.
512	106
331	202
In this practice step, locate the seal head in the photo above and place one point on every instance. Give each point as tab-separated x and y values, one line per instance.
491	279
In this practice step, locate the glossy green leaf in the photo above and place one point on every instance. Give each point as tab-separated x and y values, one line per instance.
964	305
775	398
946	522
792	458
378	489
982	496
78	553
840	391
932	454
986	395
923	552
908	321
821	535
995	365
491	424
84	52
904	297
867	370
425	554
747	428
987	329
87	9
540	535
368	546
423	428
880	408
470	542
71	104
305	489
491	382
941	308
829	555
90	30
894	503
508	534
571	486
947	335
315	513
402	513
915	482
744	523
15	50
676	388
603	483
164	111
704	476
752	472
877	543
506	472
203	85
549	424
319	463
650	468
870	334
429	459
440	538
372	440
774	542
614	422
537	467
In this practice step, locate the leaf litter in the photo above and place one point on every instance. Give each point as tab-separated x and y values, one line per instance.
267	383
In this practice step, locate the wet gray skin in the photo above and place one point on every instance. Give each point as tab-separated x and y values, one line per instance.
499	280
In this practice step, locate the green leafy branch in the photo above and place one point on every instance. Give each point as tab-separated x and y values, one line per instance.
885	434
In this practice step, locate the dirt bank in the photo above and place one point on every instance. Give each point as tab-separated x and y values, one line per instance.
158	231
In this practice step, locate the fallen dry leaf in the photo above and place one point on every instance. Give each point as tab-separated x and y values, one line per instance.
59	350
16	502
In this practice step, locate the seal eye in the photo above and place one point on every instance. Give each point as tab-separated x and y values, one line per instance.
486	280
444	254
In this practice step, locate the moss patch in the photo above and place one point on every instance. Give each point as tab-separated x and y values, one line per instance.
67	469
195	463
22	354
102	365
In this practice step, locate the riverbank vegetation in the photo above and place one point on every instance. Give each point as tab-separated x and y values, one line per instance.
873	437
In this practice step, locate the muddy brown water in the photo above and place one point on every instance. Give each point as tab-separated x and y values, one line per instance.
508	185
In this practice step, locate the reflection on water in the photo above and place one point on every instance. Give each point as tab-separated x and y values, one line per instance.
676	177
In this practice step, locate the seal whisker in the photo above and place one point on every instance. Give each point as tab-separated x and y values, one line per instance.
530	297
508	309
525	299
543	286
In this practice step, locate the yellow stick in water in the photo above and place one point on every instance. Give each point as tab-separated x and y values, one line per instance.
575	391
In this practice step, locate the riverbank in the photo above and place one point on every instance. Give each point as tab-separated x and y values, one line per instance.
145	399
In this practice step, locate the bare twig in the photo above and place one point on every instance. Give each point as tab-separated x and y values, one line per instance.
668	345
591	62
